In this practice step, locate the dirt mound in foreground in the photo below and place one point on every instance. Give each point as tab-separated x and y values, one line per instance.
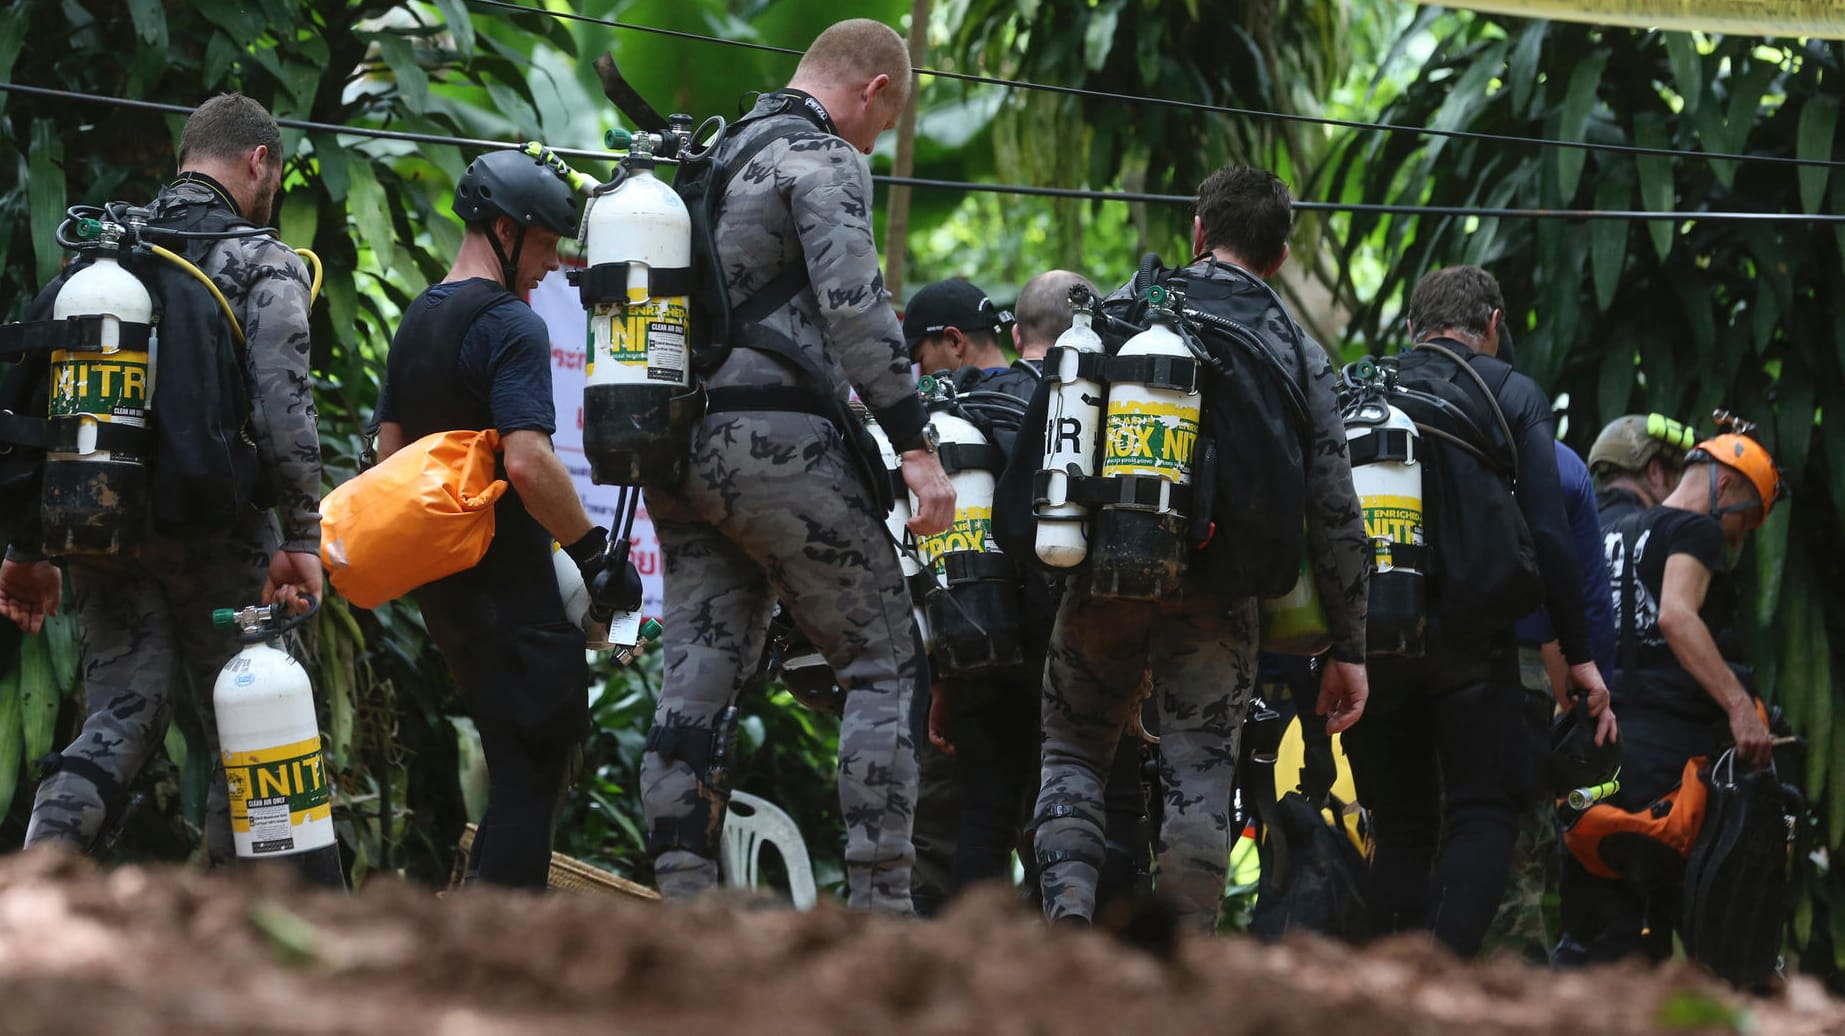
166	951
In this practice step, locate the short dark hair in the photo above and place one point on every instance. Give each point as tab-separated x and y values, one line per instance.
228	127
1459	297
1247	211
1043	309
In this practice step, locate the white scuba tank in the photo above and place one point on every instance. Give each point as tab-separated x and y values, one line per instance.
281	800
1150	431
1390	493
898	523
639	354
1070	429
94	498
973	610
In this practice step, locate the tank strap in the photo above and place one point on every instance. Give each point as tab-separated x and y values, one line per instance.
1403	555
608	282
72	334
1147	491
1089	365
61	435
966	456
1384	444
1179	373
973	566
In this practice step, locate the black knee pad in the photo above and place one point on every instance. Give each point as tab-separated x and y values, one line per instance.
707	751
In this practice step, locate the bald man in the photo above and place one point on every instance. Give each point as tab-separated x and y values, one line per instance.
1043	312
776	505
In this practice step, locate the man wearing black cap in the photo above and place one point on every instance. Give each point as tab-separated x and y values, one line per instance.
954	326
982	763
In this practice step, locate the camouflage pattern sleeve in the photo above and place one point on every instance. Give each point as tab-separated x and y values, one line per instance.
831	204
1336	539
282	418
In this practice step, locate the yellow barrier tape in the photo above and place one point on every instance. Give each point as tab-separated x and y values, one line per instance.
1825	18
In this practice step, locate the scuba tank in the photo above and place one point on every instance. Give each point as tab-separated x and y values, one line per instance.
95	488
1140	544
620	631
897	523
973	605
638	242
1072	367
1387	473
281	800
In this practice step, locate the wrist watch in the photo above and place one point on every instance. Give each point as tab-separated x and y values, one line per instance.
926	440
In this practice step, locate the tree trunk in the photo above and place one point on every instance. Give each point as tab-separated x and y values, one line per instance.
897	225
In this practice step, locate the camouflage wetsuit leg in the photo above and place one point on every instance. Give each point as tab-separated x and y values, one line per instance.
1203	656
776	510
145	622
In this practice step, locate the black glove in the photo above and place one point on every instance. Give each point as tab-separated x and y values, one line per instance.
590	552
617	590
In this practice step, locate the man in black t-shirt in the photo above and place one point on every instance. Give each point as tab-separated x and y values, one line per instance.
1681	689
471	355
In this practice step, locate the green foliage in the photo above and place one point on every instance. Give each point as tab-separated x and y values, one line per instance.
1620	317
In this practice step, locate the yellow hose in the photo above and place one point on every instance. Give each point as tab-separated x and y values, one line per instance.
223	304
314	262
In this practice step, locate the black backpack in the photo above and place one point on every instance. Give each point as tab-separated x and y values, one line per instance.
1736	876
1312	875
1249	486
1483	571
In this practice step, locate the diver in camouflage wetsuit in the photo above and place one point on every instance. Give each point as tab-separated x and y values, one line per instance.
1201	647
147	618
774	506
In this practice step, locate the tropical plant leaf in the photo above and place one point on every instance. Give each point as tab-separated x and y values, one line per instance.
1578	103
1687	69
1656	193
1608	239
45	184
1819	118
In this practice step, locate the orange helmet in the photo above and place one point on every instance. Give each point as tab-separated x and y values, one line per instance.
1741	452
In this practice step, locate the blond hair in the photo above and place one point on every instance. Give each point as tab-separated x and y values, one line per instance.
856	51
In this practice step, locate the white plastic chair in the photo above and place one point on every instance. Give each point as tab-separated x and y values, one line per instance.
750	822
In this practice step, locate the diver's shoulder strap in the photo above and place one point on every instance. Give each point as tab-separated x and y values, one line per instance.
780	289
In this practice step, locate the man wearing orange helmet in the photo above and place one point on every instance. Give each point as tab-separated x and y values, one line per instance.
1681	688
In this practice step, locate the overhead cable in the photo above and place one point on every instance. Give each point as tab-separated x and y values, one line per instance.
1200	106
1025	190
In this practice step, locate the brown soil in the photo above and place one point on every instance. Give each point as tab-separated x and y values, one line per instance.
168	951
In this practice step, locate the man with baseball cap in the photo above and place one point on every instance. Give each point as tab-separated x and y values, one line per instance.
953	324
980	764
1637	459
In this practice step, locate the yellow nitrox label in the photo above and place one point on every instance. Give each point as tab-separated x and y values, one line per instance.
1149	439
972	530
649	333
1397	519
107	386
267	779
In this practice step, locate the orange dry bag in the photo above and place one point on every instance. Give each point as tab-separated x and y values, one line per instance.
423	513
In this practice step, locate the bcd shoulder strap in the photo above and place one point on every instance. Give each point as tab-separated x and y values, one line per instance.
1436	346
